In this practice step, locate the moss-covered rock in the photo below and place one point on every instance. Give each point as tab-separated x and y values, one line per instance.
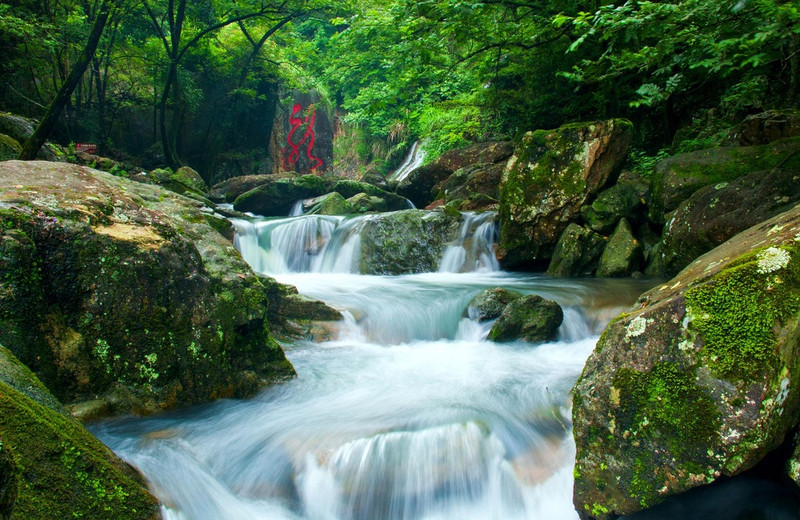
698	381
477	187
530	318
410	241
622	254
576	253
279	195
51	467
9	148
715	213
489	304
329	204
621	200
552	174
349	188
767	127
228	190
677	177
20	129
291	314
120	291
364	203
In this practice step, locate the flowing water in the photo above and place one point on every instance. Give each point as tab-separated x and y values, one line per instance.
408	414
415	158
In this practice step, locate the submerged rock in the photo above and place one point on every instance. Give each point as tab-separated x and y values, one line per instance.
576	252
698	381
676	178
715	213
405	242
52	467
121	292
552	174
530	318
622	254
489	304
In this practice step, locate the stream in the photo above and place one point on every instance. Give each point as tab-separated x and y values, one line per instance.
408	413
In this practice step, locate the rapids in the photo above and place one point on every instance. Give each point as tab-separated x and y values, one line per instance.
408	414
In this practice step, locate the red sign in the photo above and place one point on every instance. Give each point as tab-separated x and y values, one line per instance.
86	147
291	153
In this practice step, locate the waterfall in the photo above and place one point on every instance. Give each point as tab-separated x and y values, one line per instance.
413	161
409	413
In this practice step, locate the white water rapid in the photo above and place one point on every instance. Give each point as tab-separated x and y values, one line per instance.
414	160
408	414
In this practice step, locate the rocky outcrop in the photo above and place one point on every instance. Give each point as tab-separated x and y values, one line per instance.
474	188
403	242
21	128
293	315
576	253
552	174
676	178
530	318
121	293
766	127
9	148
489	304
699	380
330	204
419	185
51	466
715	213
622	200
623	253
184	180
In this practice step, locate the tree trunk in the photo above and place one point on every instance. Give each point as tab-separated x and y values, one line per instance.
40	135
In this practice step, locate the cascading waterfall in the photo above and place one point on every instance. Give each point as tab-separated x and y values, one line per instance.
408	414
414	160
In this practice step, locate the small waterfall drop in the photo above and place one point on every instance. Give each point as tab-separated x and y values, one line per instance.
413	160
473	250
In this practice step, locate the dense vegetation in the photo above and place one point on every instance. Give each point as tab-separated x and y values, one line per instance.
174	82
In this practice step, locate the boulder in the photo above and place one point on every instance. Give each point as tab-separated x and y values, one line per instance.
328	204
293	315
417	186
698	381
489	304
52	467
621	200
552	174
348	188
529	318
766	127
121	292
623	253
20	129
278	195
9	148
404	242
364	203
228	190
184	180
715	213
676	178
576	253
477	187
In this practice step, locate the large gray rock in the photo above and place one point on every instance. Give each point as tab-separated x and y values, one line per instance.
767	127
403	242
530	318
676	178
623	253
489	304
576	252
701	379
474	188
621	200
552	174
21	128
715	213
117	291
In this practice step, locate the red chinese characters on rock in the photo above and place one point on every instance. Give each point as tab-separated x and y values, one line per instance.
291	153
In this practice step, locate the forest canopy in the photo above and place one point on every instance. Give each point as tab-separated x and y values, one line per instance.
171	82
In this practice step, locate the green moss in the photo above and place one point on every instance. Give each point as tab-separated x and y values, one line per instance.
64	471
737	314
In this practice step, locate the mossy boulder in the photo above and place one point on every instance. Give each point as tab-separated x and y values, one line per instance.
530	318
228	190
477	187
9	148
419	185
329	204
348	188
676	178
715	213
622	200
552	174
52	467
767	127
623	253
404	242
576	253
365	203
184	180
699	380
489	304
20	129
121	292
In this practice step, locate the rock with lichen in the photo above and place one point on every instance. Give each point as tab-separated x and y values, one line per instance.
121	294
623	253
489	304
529	318
698	381
552	174
577	252
51	466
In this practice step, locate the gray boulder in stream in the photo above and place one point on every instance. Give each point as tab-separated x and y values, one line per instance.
489	304
530	318
122	294
698	381
404	242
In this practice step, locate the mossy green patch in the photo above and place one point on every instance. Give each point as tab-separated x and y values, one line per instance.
738	314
